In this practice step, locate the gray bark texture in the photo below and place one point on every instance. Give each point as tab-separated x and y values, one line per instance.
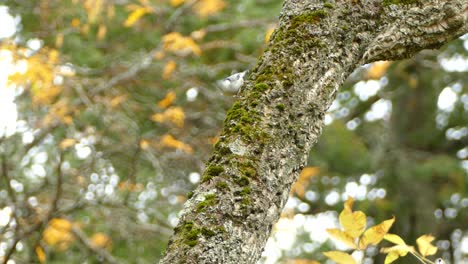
270	129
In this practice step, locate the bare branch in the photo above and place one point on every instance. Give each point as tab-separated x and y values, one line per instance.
412	29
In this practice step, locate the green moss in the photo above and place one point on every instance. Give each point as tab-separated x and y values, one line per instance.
246	201
311	17
211	172
261	87
210	196
214	170
210	200
191	243
280	107
220	229
188	226
190	234
222	186
400	2
245	191
243	181
224	151
329	5
190	194
207	232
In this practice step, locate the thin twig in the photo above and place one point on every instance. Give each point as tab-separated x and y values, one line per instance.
96	250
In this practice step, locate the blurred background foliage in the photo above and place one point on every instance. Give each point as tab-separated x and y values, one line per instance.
115	111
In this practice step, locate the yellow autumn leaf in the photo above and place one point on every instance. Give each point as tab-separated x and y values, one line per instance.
59	40
100	240
66	143
402	250
268	34
60	111
340	257
75	22
144	144
118	100
102	31
110	11
135	15
342	236
41	256
198	34
378	69
176	3
395	239
424	245
167	100
58	233
171	142
159	55
375	234
302	261
299	187
173	115
93	9
204	8
180	45
391	257
169	68
353	223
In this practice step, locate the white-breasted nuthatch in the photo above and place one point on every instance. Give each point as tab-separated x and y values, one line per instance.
233	83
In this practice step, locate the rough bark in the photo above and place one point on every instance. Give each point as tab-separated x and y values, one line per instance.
269	131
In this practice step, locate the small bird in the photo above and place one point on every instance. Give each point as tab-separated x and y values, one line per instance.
233	83
439	261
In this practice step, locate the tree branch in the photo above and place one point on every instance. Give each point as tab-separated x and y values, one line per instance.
411	29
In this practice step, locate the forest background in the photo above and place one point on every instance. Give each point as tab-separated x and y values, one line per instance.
109	110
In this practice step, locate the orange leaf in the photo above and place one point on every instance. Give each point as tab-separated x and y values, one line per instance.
375	234
340	257
167	101
41	256
169	68
378	69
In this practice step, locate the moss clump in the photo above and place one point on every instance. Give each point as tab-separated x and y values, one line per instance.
280	107
210	200
211	172
245	191
311	17
207	232
222	186
190	234
329	5
214	170
261	87
246	201
224	151
190	194
243	181
400	2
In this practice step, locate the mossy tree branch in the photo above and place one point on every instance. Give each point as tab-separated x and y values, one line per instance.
269	131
